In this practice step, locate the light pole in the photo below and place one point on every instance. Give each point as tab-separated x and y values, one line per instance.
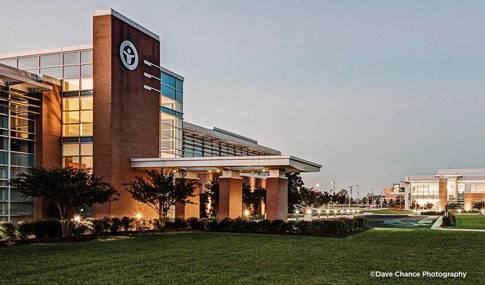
372	189
350	196
380	198
358	194
333	202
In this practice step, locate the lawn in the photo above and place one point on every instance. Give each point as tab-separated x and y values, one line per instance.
470	222
388	212
233	258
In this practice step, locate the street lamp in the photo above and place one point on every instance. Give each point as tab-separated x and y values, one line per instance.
333	202
372	189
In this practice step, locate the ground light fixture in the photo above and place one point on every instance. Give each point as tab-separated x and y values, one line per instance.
483	211
77	218
246	213
459	211
138	216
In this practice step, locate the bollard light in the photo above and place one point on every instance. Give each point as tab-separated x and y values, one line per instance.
459	211
309	212
297	214
77	218
483	211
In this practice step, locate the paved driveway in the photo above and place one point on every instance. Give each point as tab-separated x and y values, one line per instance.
400	221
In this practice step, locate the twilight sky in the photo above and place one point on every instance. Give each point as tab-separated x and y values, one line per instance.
372	90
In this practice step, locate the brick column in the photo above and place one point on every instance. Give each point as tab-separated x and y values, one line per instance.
190	210
277	196
443	194
230	195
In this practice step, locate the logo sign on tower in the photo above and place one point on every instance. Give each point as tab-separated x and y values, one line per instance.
129	55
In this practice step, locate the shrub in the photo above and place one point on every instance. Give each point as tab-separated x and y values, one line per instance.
82	227
178	224
127	223
25	229
47	228
194	223
100	225
145	224
115	225
226	225
449	221
7	230
304	227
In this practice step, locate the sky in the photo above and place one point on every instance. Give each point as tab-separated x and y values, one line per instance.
371	90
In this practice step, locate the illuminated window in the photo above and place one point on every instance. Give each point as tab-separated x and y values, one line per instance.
86	103
70	149
71	84
87	149
86	83
478	188
86	116
87	130
70	117
70	130
70	104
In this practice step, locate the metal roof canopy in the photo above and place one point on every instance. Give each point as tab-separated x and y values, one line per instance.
257	164
22	79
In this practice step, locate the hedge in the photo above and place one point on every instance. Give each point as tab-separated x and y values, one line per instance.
52	228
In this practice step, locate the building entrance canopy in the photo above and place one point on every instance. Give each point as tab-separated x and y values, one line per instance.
248	164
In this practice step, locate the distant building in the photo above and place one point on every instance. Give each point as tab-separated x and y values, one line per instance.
392	193
462	187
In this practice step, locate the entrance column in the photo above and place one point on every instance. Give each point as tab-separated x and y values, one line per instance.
230	195
276	195
189	210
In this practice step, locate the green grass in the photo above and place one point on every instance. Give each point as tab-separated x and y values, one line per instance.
470	222
232	258
387	212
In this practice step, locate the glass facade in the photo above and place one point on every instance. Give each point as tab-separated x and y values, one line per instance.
18	108
424	191
171	116
17	127
201	145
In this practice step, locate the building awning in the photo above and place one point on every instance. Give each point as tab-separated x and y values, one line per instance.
22	79
247	164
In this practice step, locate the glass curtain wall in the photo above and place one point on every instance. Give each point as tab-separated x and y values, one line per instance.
17	145
171	116
424	191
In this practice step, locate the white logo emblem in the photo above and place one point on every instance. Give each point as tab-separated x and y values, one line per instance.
129	55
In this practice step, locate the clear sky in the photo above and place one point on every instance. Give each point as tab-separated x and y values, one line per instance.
372	90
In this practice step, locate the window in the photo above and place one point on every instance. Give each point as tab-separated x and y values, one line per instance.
70	117
70	130
87	162
28	62
71	58
87	149
167	91
21	159
50	60
86	116
22	145
71	84
86	83
478	188
10	62
70	104
168	80
72	161
70	149
87	56
71	71
86	70
52	72
86	103
180	85
87	130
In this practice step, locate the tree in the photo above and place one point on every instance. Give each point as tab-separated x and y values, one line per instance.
213	194
392	203
68	189
161	190
399	200
295	183
365	200
308	196
479	205
252	199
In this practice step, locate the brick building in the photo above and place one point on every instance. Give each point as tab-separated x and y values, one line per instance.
111	108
